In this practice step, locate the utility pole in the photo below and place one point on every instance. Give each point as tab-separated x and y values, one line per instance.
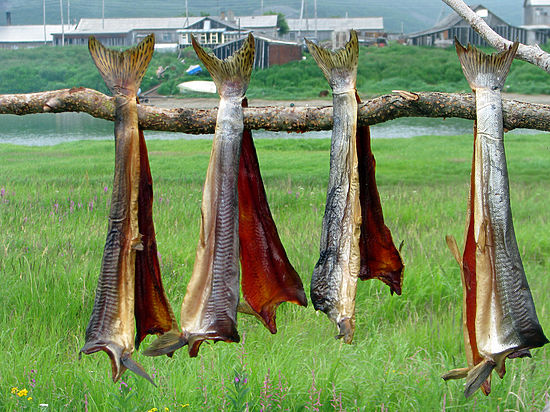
315	16
68	15
262	7
62	26
301	19
44	15
186	15
103	14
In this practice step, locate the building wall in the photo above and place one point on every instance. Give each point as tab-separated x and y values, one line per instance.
283	53
536	15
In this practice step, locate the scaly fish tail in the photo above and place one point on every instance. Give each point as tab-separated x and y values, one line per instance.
477	376
122	71
231	75
166	344
483	70
335	64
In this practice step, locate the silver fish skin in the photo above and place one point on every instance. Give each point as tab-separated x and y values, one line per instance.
334	279
506	323
209	308
111	327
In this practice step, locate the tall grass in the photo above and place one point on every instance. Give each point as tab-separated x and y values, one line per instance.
53	219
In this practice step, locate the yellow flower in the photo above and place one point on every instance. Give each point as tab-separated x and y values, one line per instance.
185	406
29	398
166	409
22	392
14	390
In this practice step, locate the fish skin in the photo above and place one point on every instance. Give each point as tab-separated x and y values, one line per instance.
268	278
334	279
380	259
111	326
209	307
503	322
152	310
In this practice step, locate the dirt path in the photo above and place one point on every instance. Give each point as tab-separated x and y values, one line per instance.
206	103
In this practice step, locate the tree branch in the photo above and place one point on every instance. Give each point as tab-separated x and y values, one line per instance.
277	118
532	54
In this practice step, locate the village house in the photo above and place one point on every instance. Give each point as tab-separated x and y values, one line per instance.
536	20
444	32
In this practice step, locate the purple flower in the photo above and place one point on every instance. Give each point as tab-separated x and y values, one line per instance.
236	379
56	207
2	192
105	189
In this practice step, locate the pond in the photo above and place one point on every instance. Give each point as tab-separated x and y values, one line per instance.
51	129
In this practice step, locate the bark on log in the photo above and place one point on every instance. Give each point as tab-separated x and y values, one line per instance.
277	118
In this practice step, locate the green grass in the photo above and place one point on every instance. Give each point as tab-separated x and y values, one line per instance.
51	248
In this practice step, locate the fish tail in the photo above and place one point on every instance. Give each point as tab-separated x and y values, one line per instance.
477	376
120	361
122	71
231	75
339	67
166	344
485	70
135	367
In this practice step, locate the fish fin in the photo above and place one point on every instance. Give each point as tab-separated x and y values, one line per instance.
453	247
477	375
485	70
455	374
335	64
231	75
122	71
268	278
166	344
135	367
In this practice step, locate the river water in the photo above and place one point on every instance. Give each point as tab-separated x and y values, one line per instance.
50	129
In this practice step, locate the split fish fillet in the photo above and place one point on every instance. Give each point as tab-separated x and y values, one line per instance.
499	317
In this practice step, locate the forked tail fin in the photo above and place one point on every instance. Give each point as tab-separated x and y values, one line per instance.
122	71
485	70
339	67
231	75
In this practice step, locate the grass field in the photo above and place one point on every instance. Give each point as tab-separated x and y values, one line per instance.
54	203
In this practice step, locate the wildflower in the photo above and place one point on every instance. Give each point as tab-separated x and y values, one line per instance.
29	398
14	390
22	392
185	406
166	409
105	189
2	192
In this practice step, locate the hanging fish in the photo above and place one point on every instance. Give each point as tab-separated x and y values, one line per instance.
209	309
499	314
129	284
354	241
268	278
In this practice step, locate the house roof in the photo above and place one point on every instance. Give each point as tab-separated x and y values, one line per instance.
337	24
449	21
253	22
29	33
86	25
